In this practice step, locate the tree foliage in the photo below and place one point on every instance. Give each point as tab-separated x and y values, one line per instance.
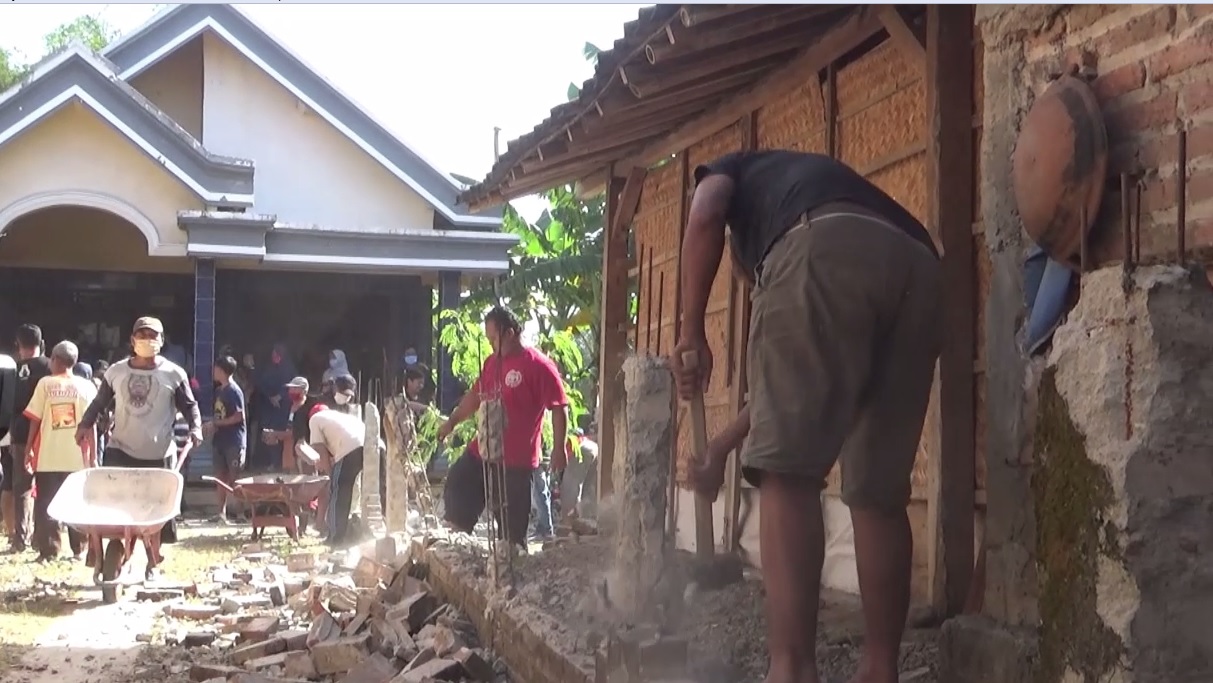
91	30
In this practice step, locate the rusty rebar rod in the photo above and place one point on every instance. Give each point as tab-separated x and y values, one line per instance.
1181	190
1082	241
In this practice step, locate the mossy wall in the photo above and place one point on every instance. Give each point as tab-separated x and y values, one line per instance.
1072	495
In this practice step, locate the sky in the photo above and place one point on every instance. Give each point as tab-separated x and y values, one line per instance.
484	65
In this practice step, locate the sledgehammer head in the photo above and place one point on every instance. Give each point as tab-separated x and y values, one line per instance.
717	572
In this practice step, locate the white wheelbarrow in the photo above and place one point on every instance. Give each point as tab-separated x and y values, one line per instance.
122	506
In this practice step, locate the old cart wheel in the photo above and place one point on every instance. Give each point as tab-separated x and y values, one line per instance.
112	564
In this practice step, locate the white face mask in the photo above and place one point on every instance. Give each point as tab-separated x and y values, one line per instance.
342	399
147	348
410	359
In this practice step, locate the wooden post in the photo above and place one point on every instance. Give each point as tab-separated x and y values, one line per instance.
623	197
950	171
684	206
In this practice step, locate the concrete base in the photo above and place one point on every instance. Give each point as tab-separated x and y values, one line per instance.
978	650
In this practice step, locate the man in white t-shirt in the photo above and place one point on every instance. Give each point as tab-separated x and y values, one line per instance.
54	412
337	437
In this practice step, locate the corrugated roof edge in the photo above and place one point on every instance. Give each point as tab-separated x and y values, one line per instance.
636	35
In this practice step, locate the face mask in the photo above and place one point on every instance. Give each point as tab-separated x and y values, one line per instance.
342	399
147	348
296	395
410	359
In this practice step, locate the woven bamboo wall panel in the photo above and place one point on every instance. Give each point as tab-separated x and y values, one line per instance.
898	122
795	121
906	182
984	270
872	76
712	147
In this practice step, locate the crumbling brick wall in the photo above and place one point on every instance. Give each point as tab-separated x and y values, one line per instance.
1154	66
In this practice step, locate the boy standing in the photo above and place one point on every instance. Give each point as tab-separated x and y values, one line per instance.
229	430
54	412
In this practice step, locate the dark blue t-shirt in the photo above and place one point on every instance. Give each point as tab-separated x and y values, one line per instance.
229	400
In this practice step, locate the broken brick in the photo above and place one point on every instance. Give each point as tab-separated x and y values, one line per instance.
324	628
474	665
435	668
266	662
205	672
341	655
373	669
259	629
295	639
194	612
418	606
255	650
298	664
300	562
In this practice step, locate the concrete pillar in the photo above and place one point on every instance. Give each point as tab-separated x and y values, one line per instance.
204	332
642	475
449	290
1123	488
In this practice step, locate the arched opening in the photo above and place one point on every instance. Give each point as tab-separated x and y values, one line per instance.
85	273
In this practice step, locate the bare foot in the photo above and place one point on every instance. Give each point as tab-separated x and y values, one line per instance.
707	476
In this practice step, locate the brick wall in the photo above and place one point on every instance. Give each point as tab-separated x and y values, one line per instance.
1155	73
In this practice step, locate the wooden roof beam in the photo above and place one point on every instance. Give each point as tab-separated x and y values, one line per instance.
842	38
694	15
566	169
775	18
768	55
624	100
597	143
911	42
644	115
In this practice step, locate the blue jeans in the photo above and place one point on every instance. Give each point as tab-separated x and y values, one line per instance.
541	501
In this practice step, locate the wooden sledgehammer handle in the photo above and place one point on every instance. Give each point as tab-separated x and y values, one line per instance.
705	543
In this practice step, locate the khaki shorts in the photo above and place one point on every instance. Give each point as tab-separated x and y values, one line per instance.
844	335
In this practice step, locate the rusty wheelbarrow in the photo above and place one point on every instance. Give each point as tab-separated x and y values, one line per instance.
277	499
121	505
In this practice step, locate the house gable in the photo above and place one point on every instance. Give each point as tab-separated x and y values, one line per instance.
76	74
176	26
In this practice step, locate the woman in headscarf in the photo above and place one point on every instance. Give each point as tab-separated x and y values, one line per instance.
274	407
338	366
83	370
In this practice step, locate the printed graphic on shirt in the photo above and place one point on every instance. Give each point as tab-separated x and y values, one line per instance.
220	408
63	416
141	391
513	378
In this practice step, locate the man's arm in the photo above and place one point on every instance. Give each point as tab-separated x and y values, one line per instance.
466	408
102	402
702	249
731	437
184	399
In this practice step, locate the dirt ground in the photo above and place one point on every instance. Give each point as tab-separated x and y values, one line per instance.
556	591
55	629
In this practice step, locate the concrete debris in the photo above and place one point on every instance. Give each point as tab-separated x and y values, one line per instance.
368	617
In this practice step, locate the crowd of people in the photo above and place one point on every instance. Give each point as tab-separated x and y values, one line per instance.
61	415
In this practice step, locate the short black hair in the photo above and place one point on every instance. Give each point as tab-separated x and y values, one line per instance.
417	371
29	336
227	364
345	383
504	319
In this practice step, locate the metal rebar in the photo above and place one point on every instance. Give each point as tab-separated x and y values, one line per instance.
1082	240
1181	207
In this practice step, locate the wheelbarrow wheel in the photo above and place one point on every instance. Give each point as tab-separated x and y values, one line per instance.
112	563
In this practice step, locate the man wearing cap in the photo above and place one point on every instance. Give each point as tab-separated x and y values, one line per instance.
54	411
145	391
297	430
844	335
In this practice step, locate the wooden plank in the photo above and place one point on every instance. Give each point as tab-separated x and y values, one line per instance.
848	35
738	320
613	330
629	200
902	34
950	166
684	206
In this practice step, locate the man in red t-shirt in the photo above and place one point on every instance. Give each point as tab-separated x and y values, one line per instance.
527	383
